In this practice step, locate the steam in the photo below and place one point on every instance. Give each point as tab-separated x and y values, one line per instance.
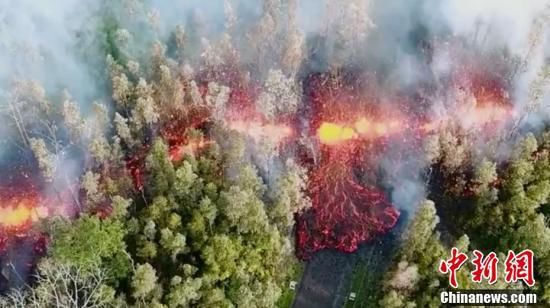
45	42
521	28
50	42
493	23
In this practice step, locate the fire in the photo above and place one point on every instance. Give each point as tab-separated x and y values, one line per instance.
333	133
274	133
24	203
14	217
18	213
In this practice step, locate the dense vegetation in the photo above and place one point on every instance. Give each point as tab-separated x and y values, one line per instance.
492	209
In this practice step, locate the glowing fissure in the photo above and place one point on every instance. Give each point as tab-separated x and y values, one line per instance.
23	212
20	208
331	133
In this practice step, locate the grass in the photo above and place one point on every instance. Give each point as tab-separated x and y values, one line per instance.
366	280
358	280
287	297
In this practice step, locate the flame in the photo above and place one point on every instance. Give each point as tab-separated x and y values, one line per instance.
333	133
273	133
14	217
18	213
23	204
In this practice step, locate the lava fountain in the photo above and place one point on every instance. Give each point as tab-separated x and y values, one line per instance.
20	208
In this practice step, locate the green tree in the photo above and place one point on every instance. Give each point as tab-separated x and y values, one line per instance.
144	281
89	242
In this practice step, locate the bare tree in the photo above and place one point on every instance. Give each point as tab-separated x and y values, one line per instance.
63	286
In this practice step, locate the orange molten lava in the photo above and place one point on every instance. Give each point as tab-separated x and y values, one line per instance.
273	133
467	117
15	213
333	133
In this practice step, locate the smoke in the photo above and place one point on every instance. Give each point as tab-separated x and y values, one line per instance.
494	23
45	41
55	45
520	28
51	42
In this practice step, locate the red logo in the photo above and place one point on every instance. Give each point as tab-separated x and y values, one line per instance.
518	267
485	268
452	265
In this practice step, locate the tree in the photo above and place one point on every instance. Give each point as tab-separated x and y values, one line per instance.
414	280
184	292
208	239
46	159
243	210
421	231
64	285
89	242
392	300
123	130
72	118
144	281
503	206
160	168
90	184
290	197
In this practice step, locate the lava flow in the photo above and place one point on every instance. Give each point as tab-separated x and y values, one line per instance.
347	211
344	213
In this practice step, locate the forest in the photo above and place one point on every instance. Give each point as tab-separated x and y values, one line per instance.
166	154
